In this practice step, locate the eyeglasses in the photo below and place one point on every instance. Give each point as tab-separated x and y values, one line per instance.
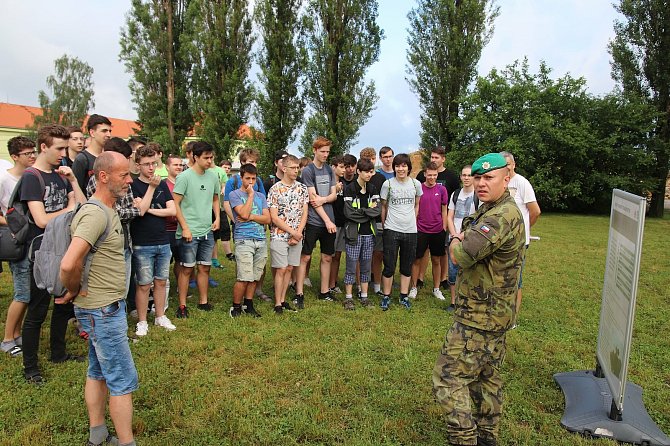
29	154
153	164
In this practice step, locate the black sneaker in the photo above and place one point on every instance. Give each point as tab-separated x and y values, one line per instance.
69	357
36	379
250	310
235	312
182	312
230	257
279	309
365	302
205	307
327	296
379	293
287	307
349	304
419	284
445	285
451	308
299	301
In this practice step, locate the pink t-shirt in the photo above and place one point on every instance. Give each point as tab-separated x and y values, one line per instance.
430	209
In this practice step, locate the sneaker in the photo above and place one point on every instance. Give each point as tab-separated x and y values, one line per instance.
110	440
405	302
386	300
419	284
327	296
413	292
216	263
235	312
307	282
349	304
142	328
69	357
191	284
205	307
279	309
438	294
12	349
445	285
299	301
230	257
264	297
287	307
335	290
213	283
37	379
164	322
134	315
250	310
365	302
379	293
182	312
514	327
451	308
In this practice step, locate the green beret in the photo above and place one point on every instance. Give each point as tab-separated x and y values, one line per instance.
487	163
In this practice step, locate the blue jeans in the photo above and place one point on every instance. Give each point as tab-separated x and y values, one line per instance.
453	270
109	357
21	277
198	250
151	262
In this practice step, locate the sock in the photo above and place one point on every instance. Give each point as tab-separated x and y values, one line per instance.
348	296
6	346
364	295
19	341
403	296
237	306
377	287
132	443
98	434
248	303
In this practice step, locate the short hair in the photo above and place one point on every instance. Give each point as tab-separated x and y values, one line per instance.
365	165
467	166
384	150
46	134
116	144
320	142
95	120
247	153
104	162
305	161
508	155
402	158
144	152
349	160
172	156
17	143
73	129
189	146
134	142
226	163
280	154
155	147
439	150
248	168
432	166
291	159
200	148
368	153
336	160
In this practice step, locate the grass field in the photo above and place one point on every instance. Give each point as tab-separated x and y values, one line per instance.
326	376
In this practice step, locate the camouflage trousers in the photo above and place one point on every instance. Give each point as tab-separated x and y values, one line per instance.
467	383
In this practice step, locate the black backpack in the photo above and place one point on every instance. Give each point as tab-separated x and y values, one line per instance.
454	198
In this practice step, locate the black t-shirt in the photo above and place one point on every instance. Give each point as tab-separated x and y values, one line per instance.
54	195
338	205
150	230
446	178
82	167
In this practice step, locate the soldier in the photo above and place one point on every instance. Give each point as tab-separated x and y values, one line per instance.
466	378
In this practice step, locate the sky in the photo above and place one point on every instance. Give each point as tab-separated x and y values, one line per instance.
571	36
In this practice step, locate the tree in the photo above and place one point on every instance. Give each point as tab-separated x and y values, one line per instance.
342	40
279	105
154	52
72	93
641	57
446	39
222	41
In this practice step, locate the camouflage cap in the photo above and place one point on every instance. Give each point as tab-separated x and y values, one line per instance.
487	163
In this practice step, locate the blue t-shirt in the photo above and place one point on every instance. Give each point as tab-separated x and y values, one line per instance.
248	230
235	182
387	175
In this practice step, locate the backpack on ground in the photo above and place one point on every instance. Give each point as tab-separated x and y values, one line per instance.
55	242
14	235
454	198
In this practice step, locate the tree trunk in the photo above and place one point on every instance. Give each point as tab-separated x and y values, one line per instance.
169	51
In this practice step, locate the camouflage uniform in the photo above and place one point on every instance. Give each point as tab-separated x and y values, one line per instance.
466	377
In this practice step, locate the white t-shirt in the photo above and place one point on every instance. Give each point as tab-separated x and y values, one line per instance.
523	193
7	184
401	197
465	205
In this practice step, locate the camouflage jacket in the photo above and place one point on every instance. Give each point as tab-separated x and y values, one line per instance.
490	259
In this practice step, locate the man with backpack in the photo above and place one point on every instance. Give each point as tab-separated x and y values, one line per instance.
48	192
101	308
100	131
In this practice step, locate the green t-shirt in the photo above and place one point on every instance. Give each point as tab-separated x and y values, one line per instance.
197	193
162	172
107	278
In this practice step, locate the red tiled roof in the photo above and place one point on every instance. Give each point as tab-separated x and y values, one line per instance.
21	116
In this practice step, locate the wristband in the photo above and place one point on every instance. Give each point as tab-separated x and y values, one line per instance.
455	238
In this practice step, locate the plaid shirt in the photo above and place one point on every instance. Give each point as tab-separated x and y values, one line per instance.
123	206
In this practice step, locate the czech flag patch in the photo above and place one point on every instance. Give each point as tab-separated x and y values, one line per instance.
485	229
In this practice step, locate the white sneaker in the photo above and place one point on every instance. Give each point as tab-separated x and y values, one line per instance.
164	322
307	282
438	294
412	293
142	328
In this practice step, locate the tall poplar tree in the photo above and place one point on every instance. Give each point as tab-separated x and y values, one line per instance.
71	93
342	41
446	38
159	60
641	65
222	40
281	58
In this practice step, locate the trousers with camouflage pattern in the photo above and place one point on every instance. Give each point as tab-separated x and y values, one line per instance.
468	386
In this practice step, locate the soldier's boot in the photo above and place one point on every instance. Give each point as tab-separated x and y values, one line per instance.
486	442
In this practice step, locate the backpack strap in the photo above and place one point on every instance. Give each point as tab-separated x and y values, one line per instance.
83	291
454	196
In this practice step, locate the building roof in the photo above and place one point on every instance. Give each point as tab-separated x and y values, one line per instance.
22	116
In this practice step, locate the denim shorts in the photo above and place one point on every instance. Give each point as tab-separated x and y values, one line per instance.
109	357
198	250
21	277
453	270
151	262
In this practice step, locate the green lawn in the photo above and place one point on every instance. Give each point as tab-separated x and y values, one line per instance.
326	376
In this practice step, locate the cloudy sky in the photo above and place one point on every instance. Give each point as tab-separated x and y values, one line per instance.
570	35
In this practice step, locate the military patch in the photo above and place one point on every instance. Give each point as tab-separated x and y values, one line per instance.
485	229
